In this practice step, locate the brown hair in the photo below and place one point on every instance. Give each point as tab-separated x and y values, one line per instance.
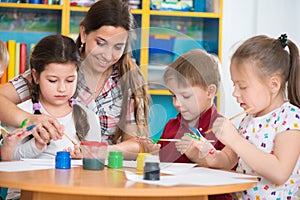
117	13
196	68
273	56
57	49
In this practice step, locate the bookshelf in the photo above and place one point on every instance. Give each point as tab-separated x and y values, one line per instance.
157	30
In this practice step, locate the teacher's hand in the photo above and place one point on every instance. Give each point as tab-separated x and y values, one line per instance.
46	128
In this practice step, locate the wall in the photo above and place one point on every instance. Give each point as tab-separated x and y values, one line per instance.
243	19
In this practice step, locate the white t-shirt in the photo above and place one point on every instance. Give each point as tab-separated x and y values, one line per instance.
28	149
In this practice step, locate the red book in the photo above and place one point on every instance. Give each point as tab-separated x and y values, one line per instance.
23	54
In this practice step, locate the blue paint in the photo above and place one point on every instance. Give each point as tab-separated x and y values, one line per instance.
195	131
29	128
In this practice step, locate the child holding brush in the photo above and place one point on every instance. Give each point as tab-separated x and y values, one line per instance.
8	140
54	64
193	80
266	143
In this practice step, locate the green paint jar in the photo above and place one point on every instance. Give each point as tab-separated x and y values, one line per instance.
115	160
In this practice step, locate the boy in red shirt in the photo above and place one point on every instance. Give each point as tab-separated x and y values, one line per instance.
193	80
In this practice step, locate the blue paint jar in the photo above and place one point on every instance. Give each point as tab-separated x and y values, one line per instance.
63	160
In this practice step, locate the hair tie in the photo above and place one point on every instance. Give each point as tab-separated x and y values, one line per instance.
36	106
283	40
72	102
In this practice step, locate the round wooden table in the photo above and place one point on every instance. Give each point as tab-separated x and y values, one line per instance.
79	184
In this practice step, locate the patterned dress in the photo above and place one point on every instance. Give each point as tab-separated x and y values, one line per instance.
261	132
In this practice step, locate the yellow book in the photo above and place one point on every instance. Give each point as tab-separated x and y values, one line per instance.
17	59
11	44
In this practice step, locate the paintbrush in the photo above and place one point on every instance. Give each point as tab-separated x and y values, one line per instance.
232	118
70	138
172	140
4	129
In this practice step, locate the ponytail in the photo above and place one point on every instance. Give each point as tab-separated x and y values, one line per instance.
82	125
293	85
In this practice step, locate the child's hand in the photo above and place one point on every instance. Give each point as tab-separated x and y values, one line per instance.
149	146
11	141
76	153
225	131
195	149
186	146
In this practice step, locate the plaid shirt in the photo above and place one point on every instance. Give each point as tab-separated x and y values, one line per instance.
107	105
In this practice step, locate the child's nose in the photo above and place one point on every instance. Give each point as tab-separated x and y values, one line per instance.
235	92
177	103
62	87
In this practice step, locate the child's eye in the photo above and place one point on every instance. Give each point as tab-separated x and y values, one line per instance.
186	97
52	81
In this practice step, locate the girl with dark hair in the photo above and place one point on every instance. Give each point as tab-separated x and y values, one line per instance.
54	63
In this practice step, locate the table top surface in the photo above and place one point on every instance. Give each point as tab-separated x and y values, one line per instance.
107	182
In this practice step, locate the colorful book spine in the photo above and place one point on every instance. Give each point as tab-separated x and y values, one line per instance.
17	59
23	56
12	58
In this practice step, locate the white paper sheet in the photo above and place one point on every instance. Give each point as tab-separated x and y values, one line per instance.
167	168
32	164
196	176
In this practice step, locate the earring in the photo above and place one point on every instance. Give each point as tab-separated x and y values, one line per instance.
81	46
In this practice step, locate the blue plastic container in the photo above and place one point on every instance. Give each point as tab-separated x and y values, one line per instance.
63	160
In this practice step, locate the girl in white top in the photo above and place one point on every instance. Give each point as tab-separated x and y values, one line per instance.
54	64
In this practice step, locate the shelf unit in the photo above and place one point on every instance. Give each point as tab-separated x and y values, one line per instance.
145	13
212	29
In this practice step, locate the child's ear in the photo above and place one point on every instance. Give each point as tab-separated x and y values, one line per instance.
275	84
34	75
212	89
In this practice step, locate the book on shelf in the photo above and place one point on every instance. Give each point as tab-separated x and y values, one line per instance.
17	60
23	56
12	59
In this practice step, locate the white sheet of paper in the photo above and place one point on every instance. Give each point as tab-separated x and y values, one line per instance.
196	176
167	168
32	164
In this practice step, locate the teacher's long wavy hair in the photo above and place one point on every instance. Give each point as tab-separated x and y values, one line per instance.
117	13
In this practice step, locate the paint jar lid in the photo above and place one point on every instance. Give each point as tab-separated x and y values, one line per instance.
151	159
